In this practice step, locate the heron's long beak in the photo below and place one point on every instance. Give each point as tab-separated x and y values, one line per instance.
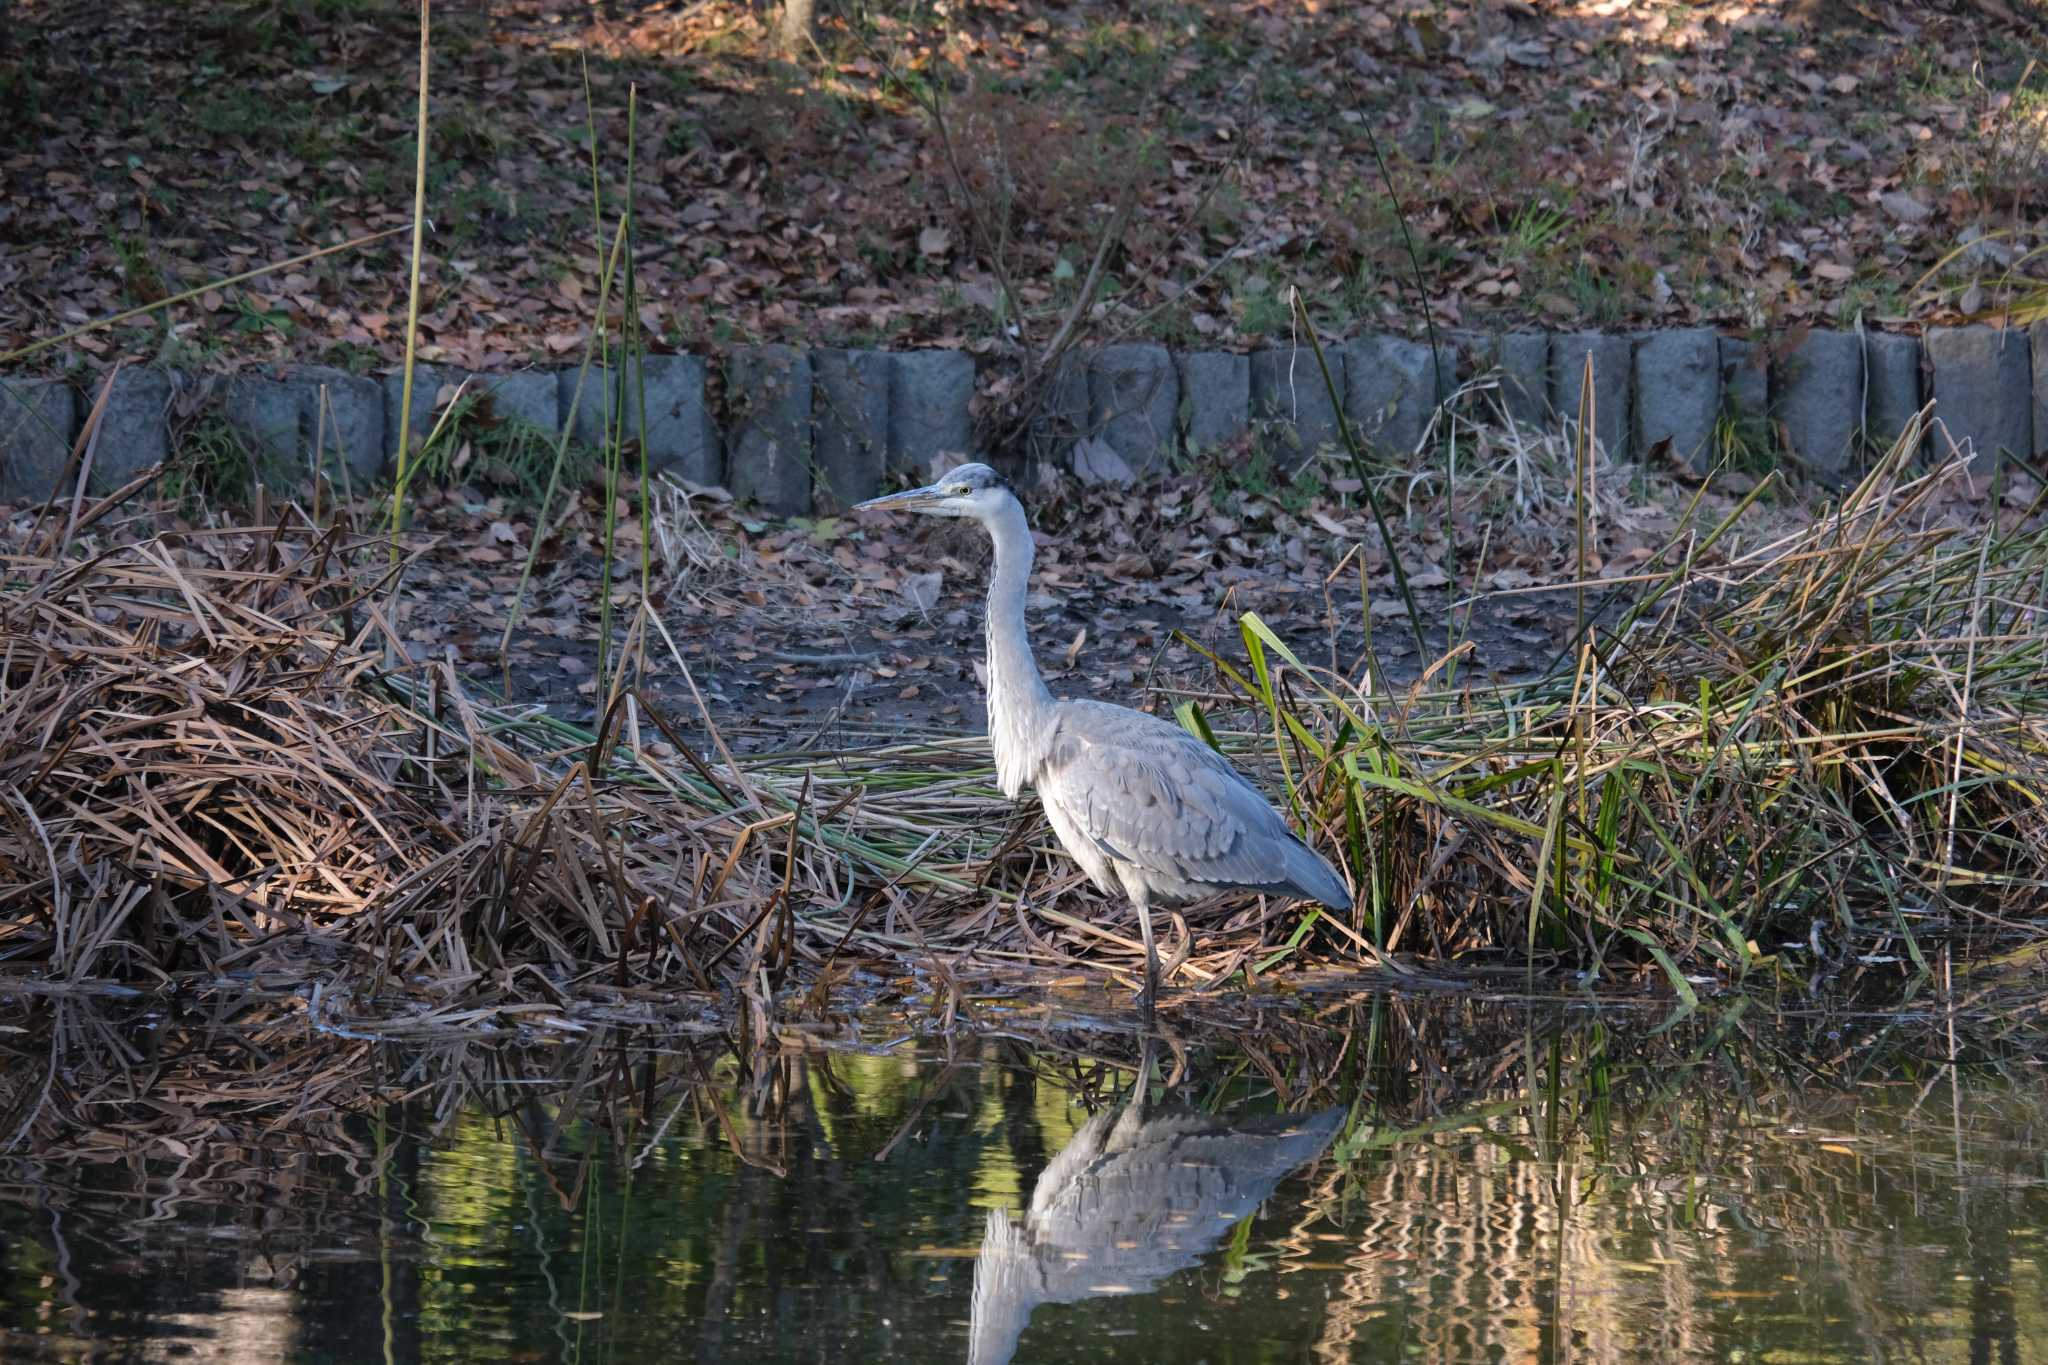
910	500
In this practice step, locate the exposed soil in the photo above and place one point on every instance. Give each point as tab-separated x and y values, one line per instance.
842	681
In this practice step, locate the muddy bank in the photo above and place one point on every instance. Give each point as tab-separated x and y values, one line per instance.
270	750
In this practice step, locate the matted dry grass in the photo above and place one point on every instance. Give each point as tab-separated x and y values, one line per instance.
193	760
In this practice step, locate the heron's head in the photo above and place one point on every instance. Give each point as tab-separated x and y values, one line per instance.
972	490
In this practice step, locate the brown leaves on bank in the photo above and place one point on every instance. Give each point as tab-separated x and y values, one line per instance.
1563	162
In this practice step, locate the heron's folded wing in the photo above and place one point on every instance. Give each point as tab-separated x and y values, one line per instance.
1149	793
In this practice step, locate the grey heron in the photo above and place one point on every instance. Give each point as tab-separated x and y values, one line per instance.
1137	801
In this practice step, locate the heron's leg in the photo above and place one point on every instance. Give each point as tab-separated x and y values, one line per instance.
1151	991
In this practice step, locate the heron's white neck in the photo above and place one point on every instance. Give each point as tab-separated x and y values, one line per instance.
1019	707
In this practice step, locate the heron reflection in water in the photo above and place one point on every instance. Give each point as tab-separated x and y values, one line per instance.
1138	1194
1137	801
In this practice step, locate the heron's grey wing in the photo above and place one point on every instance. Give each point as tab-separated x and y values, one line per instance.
1149	793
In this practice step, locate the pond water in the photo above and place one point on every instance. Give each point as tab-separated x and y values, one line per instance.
1361	1178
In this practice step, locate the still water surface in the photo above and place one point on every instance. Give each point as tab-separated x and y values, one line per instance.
1373	1180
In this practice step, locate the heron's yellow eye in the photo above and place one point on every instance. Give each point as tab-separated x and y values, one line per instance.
959	490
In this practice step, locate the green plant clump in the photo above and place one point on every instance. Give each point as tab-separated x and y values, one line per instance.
215	465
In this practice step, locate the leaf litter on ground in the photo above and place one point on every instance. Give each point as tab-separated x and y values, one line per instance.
1751	166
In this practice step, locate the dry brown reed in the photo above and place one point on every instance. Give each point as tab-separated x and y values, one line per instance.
191	765
212	764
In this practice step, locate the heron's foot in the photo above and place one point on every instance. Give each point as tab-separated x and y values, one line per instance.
1150	993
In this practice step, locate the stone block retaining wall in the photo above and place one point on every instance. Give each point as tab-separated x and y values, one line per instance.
800	429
